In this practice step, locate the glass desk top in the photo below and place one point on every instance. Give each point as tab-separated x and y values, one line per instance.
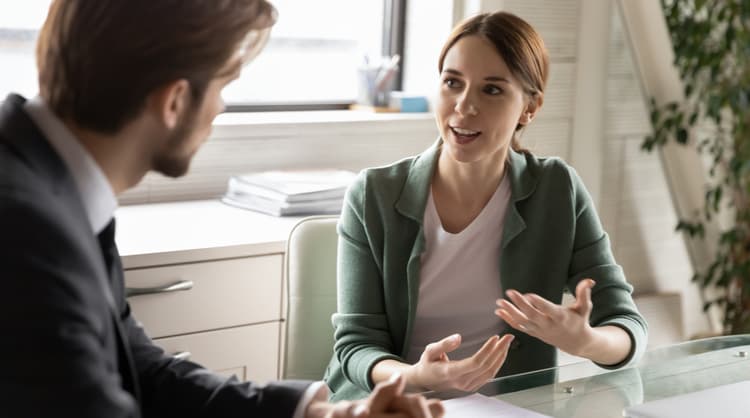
584	390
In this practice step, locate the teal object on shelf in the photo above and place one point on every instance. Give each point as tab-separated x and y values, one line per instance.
407	103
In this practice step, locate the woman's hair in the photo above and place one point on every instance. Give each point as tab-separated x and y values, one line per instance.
99	60
519	45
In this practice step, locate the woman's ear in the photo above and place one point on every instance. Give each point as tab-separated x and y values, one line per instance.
532	107
170	102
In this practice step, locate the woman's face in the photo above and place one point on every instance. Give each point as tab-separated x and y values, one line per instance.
480	102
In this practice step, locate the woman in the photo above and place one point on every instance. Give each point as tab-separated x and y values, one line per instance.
430	245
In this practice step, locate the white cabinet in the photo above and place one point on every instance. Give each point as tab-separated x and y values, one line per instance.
205	280
249	352
216	294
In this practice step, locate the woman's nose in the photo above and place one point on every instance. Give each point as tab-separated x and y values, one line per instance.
465	106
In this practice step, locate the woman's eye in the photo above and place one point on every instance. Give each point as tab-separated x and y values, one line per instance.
493	90
451	83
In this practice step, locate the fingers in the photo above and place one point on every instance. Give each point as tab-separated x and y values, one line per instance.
583	302
347	409
385	393
436	408
513	316
480	366
497	361
388	400
504	345
414	406
525	306
437	350
541	304
482	357
529	312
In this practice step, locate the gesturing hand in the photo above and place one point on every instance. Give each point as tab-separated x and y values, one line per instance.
435	371
387	400
566	327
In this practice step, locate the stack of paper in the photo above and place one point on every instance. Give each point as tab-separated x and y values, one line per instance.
287	193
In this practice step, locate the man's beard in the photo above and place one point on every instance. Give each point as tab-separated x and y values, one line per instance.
171	160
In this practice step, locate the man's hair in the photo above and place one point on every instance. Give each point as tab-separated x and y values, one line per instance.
100	59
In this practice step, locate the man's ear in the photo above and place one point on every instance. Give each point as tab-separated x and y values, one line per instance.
532	107
170	102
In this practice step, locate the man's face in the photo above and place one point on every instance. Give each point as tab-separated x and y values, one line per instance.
173	159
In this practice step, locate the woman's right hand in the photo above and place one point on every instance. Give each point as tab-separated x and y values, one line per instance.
435	371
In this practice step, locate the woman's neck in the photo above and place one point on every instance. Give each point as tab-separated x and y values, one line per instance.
461	190
469	182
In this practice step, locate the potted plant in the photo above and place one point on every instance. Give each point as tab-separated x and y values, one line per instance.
711	42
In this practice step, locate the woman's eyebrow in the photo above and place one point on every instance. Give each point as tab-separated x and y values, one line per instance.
488	78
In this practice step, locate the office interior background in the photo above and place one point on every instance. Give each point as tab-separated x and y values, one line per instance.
288	112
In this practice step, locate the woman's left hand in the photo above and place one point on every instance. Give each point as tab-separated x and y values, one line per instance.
566	327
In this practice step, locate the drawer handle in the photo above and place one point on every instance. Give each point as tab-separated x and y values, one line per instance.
174	287
182	355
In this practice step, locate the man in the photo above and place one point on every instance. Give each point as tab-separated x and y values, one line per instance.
125	87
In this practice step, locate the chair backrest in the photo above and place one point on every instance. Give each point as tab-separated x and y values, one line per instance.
310	297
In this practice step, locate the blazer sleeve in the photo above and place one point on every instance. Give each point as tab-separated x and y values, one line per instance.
362	334
53	361
592	258
172	387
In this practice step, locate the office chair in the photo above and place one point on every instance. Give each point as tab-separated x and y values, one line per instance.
310	280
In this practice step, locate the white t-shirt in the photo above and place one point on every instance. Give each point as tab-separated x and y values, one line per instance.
460	279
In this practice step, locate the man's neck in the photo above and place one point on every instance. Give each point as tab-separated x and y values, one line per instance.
117	155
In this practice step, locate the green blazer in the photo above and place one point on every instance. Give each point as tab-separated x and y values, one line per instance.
552	239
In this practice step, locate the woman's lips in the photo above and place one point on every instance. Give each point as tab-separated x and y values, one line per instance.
464	136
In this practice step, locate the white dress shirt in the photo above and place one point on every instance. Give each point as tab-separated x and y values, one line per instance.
96	193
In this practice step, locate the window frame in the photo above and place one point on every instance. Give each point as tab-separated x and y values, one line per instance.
394	33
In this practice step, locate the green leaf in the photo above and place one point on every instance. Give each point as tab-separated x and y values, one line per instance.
693	118
655	114
682	136
688	89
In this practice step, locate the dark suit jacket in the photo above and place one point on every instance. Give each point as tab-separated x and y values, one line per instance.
69	345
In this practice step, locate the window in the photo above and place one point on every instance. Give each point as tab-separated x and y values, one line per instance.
311	58
19	26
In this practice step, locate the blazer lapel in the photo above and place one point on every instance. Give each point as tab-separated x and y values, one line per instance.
19	131
522	184
411	204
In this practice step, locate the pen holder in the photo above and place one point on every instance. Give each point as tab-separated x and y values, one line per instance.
374	86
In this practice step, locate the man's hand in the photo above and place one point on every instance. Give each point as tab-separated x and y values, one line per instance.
387	400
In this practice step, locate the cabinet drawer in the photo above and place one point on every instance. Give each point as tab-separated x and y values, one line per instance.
224	294
249	352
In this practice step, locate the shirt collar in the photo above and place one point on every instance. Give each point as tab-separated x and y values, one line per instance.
98	198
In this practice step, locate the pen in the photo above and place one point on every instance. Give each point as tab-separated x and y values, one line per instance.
386	73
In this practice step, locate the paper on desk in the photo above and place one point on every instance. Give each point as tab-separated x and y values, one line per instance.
480	406
726	401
